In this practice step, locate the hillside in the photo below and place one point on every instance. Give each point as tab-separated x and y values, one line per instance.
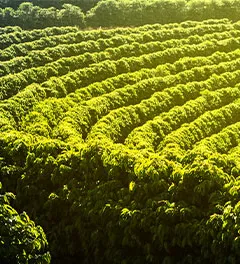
124	144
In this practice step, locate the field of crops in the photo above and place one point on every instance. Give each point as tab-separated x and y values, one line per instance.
124	144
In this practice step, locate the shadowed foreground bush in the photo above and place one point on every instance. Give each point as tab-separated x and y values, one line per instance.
20	240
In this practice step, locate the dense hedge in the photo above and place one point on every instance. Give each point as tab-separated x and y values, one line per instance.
29	16
112	13
85	5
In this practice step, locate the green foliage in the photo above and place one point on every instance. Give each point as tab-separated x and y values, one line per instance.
123	144
20	240
83	4
32	16
138	12
112	13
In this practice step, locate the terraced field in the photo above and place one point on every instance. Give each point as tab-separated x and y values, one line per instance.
124	144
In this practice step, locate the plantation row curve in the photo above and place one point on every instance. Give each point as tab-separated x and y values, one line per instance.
124	144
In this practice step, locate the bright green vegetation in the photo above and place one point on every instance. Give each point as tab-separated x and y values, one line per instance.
124	144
